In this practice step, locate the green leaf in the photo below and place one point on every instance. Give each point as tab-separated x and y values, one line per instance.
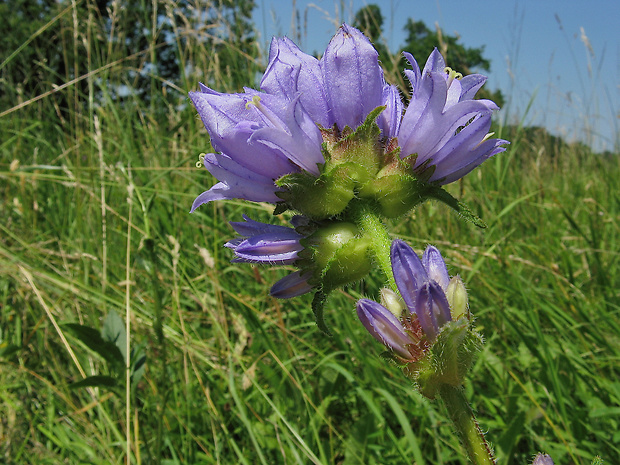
95	381
92	339
114	331
318	305
443	196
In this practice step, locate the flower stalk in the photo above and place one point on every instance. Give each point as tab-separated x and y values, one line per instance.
372	226
466	425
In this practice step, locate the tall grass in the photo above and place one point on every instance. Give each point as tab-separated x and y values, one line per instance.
95	218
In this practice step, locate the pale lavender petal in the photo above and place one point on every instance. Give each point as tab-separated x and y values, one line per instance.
353	77
389	119
384	326
292	72
454	93
461	149
434	128
425	109
413	75
235	182
293	285
435	63
471	84
221	111
409	273
436	267
301	147
256	157
485	151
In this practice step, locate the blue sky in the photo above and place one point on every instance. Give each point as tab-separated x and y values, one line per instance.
537	50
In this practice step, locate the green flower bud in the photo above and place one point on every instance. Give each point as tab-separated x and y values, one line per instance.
339	254
392	301
457	298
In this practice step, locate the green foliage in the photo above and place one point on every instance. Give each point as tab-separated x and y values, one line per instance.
110	344
147	40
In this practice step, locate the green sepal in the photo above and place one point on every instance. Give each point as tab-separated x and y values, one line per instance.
280	208
349	263
318	305
317	198
445	197
396	193
449	359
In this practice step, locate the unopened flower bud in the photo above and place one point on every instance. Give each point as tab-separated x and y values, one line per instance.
457	297
392	301
340	255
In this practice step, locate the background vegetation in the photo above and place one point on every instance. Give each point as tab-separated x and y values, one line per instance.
97	151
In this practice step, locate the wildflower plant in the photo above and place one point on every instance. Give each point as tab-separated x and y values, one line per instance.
330	141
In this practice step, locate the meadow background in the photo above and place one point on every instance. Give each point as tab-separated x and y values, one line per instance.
98	145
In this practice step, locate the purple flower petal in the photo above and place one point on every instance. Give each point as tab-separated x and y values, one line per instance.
237	182
409	273
432	309
301	147
291	72
389	119
434	63
436	267
353	78
384	326
483	152
265	243
293	285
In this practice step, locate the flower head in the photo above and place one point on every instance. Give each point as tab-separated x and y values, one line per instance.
444	130
426	332
321	133
422	285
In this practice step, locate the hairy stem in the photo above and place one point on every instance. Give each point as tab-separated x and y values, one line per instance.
467	427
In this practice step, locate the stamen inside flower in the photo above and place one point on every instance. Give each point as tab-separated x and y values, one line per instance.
201	160
452	75
488	136
255	102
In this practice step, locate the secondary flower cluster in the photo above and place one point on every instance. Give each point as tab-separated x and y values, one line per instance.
431	299
428	333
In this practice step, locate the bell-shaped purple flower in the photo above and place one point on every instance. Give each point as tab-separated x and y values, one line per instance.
353	78
273	245
443	128
422	285
384	327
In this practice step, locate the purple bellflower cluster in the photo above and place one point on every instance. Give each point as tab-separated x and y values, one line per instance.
306	105
433	312
324	137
